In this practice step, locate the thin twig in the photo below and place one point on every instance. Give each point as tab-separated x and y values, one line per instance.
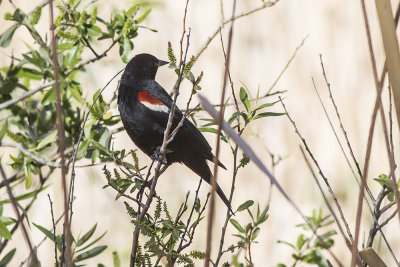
320	172
375	220
244	14
75	150
54	230
287	65
328	85
41	242
61	139
326	199
218	139
163	148
15	204
25	95
31	155
235	162
378	105
257	161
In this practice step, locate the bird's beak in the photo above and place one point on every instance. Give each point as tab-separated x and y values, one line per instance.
162	63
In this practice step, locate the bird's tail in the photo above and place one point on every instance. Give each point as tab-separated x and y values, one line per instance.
204	172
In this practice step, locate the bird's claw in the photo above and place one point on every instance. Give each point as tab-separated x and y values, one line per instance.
157	156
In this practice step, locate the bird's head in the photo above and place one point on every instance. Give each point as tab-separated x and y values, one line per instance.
143	66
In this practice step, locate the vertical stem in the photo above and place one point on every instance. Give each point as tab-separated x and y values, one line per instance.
20	218
61	140
219	121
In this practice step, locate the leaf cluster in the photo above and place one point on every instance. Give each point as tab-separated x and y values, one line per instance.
309	247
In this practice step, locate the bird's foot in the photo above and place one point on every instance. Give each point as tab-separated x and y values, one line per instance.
147	183
157	156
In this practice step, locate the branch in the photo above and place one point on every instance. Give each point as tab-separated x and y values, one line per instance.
218	141
31	155
257	161
244	14
25	95
320	172
61	139
163	149
15	204
286	66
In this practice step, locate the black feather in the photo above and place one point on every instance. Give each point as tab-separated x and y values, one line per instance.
146	126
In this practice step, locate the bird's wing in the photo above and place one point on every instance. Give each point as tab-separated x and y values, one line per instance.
158	103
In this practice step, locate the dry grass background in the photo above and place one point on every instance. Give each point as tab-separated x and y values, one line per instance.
262	45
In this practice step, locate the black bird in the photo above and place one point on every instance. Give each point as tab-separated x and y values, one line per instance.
144	107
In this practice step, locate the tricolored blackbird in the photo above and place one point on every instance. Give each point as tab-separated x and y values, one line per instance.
144	107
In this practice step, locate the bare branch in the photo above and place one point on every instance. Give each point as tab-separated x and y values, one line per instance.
244	14
218	139
61	139
287	65
14	202
25	95
257	161
31	155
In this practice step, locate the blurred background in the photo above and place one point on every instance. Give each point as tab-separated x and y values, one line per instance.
263	43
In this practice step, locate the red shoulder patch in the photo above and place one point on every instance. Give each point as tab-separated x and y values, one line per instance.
146	97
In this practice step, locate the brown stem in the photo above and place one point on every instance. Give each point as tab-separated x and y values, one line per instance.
219	121
61	140
14	202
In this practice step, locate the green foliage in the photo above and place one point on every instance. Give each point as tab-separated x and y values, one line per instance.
252	110
247	232
35	17
386	182
8	257
84	247
185	68
29	125
308	247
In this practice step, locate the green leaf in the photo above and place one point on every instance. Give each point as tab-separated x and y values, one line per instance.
116	259
71	58
90	253
49	97
383	180
93	242
245	205
286	243
208	129
45	231
7	220
64	46
4	232
237	225
263	216
301	240
143	16
6	37
82	150
266	105
255	233
268	114
94	30
3	130
76	94
86	236
125	49
26	195
50	138
28	174
245	99
30	74
7	258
